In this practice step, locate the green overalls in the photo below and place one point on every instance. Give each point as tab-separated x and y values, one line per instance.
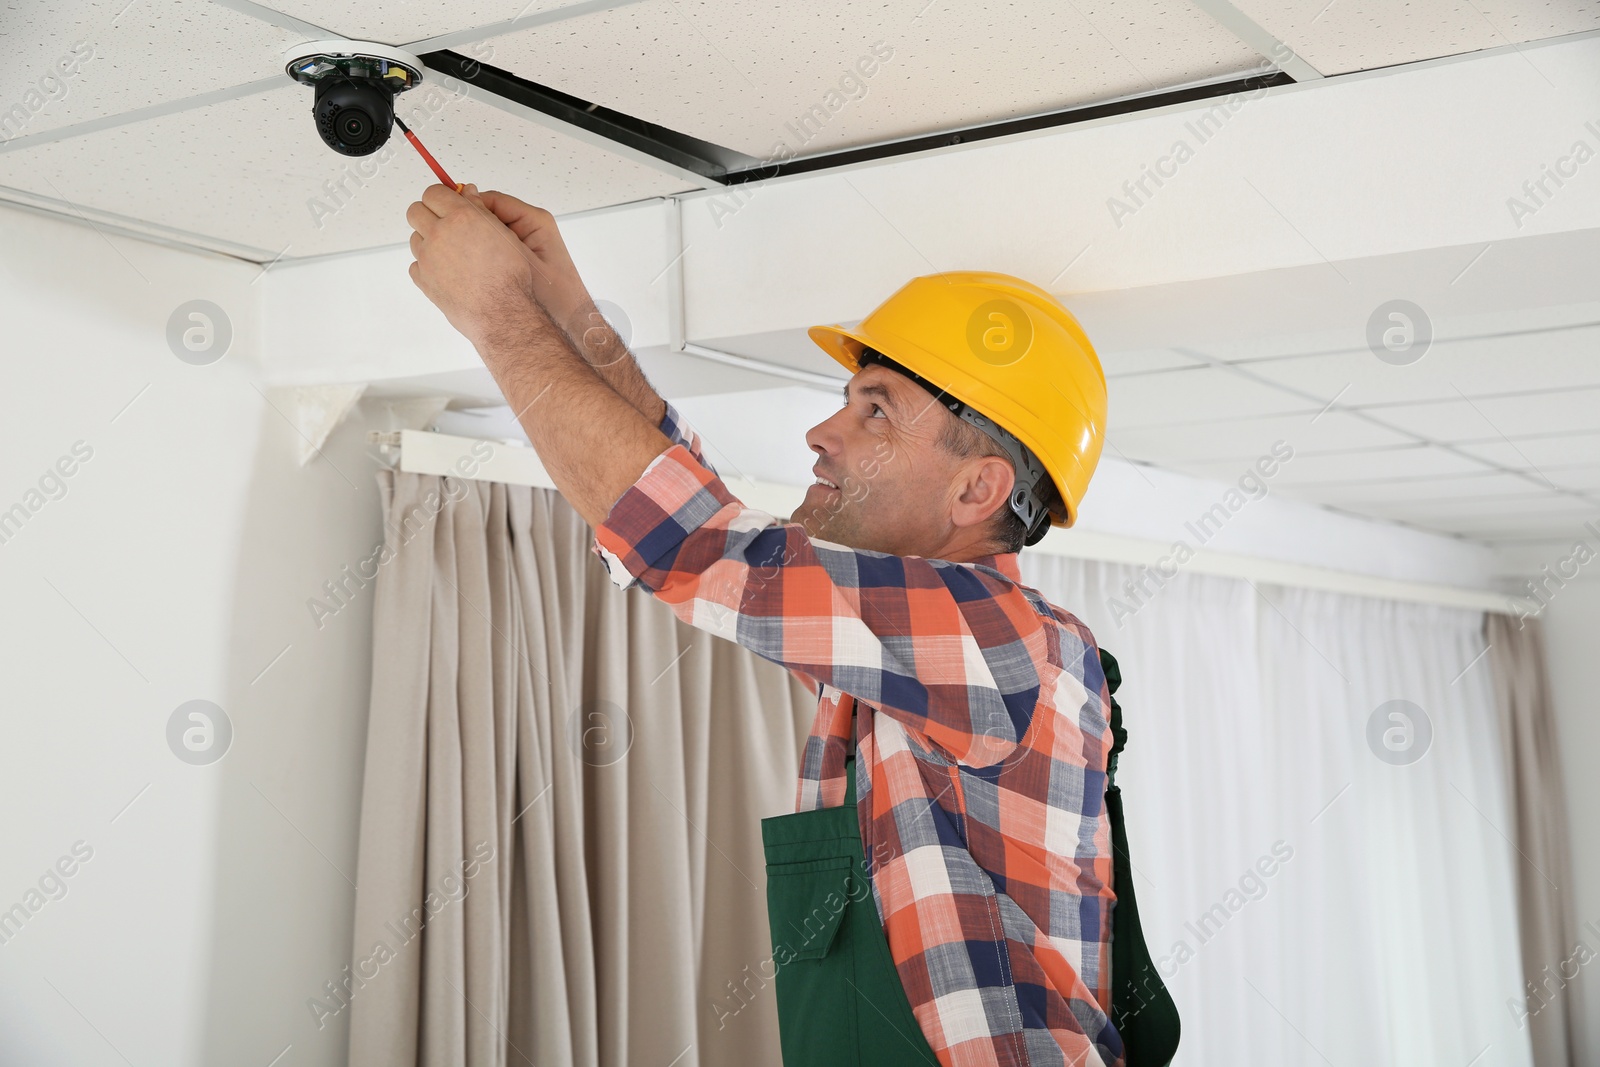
840	1000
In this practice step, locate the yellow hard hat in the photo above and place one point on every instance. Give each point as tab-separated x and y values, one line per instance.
1003	347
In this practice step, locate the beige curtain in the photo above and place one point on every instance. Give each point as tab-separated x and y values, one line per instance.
1550	959
560	853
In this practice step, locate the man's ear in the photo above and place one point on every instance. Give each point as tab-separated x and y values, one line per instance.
982	489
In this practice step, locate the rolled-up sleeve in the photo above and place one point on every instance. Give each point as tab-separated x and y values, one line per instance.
680	432
952	651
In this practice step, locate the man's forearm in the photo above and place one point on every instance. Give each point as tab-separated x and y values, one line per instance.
593	441
594	339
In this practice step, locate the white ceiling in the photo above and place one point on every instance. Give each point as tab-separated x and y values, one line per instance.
183	127
1495	437
141	55
174	127
1338	36
274	188
723	72
1492	434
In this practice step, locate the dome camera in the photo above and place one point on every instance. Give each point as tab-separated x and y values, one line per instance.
355	83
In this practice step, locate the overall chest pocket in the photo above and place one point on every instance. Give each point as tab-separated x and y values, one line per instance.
806	905
808	897
840	1002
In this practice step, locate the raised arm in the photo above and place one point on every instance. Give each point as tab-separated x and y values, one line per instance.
953	652
558	287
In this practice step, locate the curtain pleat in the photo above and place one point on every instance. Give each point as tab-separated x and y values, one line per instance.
1551	958
566	784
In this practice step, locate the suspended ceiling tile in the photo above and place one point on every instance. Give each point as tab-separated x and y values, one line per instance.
1121	364
1564	411
280	189
1243	440
1347	35
410	20
1540	511
1552	359
1559	528
1401	493
745	74
138	55
1543	452
1314	469
1584	478
1194	394
1556	516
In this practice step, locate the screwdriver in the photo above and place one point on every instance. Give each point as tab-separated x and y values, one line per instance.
427	156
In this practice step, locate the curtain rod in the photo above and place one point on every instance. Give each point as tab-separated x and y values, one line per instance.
514	463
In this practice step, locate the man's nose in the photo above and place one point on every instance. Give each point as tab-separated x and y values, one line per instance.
824	438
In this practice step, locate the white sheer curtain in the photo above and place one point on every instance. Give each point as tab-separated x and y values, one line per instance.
1310	902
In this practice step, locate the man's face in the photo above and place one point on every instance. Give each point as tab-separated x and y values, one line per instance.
892	482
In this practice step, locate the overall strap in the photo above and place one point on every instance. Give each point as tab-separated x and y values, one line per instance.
1119	736
1142	1010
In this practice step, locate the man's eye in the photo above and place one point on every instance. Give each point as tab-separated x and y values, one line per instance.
877	411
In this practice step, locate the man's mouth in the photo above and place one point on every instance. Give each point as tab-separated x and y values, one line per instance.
825	482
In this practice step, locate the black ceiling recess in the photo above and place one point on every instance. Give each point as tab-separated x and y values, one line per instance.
728	167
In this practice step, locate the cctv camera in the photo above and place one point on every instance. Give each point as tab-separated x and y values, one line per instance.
355	83
353	116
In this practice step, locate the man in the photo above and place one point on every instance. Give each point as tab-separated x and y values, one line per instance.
976	713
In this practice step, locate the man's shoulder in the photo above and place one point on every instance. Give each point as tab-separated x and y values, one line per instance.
1004	568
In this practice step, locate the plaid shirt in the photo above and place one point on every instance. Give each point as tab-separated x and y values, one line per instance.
981	723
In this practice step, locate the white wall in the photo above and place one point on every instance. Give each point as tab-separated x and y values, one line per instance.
175	567
1572	630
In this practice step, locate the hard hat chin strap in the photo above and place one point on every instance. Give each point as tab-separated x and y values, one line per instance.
1033	483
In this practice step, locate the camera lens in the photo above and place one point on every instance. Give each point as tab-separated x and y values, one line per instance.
354	127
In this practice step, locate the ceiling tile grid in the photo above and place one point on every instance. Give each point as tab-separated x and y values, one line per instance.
1581	478
1513	523
408	21
1353	35
121	57
1192	393
281	190
1244	440
1403	490
1564	411
1126	362
1478	509
749	76
1544	452
1513	362
1408	461
1318	471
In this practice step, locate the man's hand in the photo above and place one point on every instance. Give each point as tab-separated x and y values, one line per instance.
471	266
594	441
557	286
555	279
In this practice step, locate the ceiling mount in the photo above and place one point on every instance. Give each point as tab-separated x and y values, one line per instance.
356	83
316	61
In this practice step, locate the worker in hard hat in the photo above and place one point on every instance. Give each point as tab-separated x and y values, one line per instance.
955	774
